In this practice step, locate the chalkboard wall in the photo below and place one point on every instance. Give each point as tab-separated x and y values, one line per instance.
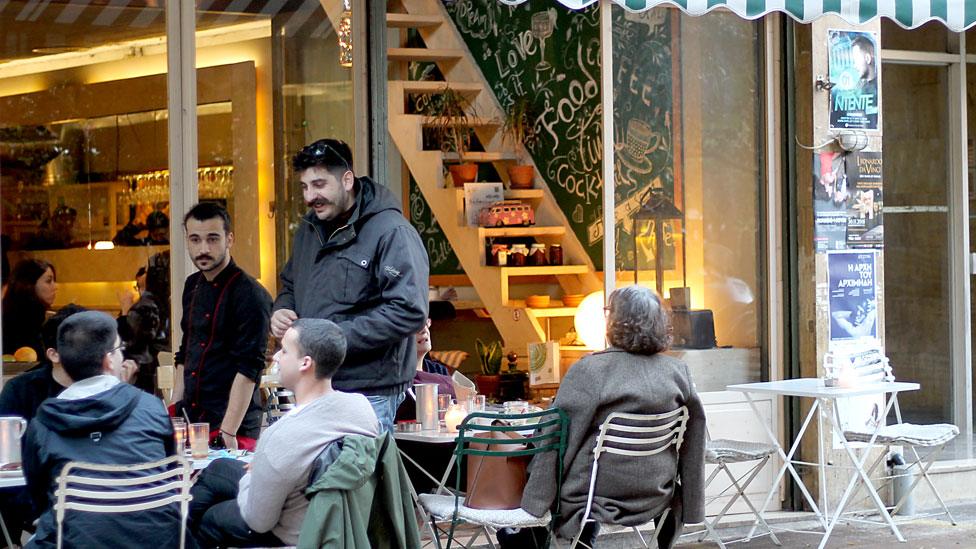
552	55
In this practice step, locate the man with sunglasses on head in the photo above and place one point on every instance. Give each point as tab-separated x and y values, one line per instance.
357	262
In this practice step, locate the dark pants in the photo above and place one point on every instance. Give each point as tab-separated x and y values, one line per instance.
215	518
529	538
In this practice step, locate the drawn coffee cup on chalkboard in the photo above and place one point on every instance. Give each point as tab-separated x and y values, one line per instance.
639	141
542	27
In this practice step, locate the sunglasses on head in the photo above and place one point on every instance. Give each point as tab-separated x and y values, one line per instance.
320	151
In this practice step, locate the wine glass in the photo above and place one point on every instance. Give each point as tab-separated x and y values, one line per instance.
542	26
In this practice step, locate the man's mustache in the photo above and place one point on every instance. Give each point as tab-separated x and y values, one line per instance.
202	257
318	202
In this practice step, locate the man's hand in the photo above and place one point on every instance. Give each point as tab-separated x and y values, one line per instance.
281	320
129	371
230	442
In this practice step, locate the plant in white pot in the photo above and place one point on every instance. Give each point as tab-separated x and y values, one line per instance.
519	129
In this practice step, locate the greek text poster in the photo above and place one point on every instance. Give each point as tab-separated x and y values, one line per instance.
853	297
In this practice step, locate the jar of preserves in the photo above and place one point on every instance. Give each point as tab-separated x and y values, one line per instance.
517	255
555	254
537	255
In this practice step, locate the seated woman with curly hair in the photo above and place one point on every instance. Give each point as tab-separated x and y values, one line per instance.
632	376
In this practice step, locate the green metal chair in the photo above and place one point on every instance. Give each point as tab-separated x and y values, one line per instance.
549	435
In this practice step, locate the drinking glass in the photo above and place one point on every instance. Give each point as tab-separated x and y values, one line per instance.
443	402
199	439
179	434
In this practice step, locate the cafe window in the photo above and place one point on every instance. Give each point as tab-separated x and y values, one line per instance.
689	115
83	150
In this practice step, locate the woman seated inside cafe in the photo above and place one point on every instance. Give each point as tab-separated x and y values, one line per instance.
633	376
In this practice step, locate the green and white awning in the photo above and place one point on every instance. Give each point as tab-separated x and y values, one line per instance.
958	15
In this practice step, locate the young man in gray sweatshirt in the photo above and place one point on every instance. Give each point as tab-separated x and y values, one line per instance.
263	504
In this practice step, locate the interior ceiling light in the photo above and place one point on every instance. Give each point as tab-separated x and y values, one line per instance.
345	35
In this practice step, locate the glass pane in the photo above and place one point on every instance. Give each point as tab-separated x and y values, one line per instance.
932	36
694	142
916	283
83	154
270	82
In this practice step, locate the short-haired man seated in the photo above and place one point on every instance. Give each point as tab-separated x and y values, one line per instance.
264	503
97	419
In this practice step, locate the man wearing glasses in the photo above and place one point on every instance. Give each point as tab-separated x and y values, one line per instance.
97	419
357	262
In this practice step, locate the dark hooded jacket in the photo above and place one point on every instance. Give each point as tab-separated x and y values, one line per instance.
121	426
370	277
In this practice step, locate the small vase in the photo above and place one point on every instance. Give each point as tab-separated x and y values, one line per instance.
521	177
487	385
463	173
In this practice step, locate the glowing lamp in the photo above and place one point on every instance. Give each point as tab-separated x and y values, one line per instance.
591	321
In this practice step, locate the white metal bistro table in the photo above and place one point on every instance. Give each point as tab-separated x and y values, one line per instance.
814	388
10	479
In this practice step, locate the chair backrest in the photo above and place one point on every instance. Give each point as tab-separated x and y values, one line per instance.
537	433
641	434
98	488
636	435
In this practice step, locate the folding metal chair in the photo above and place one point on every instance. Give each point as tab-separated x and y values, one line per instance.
97	488
908	435
721	453
873	367
549	436
634	435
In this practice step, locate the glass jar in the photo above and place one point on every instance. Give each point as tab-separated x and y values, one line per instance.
517	255
555	254
537	255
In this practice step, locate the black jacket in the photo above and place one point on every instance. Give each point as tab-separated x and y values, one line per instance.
23	395
369	277
121	425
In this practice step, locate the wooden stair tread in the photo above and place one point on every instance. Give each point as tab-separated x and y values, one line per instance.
410	21
473	121
532	230
482	156
423	54
544	270
436	86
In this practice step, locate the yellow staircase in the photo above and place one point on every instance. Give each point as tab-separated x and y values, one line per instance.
517	324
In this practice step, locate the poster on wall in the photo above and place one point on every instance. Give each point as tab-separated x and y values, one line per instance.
847	200
829	201
853	295
855	98
865	227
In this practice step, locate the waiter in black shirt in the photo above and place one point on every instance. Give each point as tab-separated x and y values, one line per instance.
226	319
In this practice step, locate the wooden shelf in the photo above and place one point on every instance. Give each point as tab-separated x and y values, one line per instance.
555	310
423	54
472	121
431	86
554	270
408	21
532	230
515	194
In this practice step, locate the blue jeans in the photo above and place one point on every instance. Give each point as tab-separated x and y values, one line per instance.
385	407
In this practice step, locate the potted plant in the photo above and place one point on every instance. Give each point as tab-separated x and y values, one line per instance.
491	364
519	128
450	124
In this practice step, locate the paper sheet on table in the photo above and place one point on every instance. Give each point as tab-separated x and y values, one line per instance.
463	387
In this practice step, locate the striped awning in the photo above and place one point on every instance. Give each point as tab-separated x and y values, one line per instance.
958	15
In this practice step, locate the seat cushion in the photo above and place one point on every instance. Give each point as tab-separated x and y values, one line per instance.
442	508
735	451
908	434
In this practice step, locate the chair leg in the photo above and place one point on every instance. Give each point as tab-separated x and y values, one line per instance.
640	536
741	492
657	529
924	468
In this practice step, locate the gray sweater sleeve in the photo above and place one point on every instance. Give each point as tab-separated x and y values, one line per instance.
261	494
